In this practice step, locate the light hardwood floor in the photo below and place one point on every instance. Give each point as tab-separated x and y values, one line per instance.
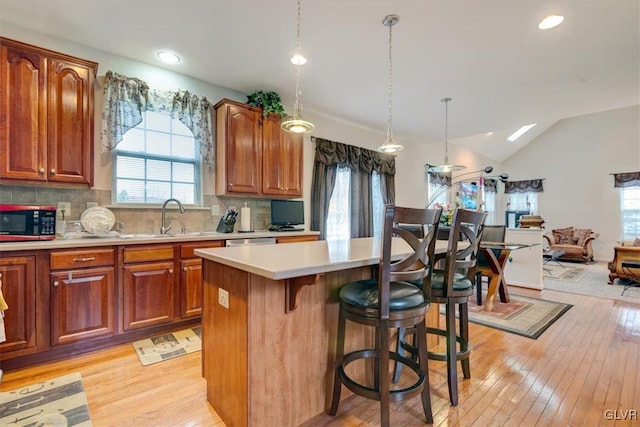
586	364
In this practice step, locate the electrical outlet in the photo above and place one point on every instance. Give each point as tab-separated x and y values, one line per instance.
223	298
63	210
215	210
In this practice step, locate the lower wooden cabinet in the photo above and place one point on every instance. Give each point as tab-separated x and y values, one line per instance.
18	283
82	295
191	277
148	286
82	305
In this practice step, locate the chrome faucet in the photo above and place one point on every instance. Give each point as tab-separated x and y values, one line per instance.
163	227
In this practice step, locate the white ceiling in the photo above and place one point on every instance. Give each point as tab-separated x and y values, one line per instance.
489	56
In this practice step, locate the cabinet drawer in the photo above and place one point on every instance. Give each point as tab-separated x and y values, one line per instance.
83	258
186	251
292	239
147	253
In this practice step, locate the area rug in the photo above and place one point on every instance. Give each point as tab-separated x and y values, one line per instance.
168	346
566	273
525	316
57	402
595	283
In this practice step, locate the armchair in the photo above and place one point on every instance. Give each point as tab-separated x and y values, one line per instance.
575	242
627	251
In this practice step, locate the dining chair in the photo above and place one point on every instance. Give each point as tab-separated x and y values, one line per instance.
386	302
491	233
451	286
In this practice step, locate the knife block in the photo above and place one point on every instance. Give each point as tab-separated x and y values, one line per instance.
225	228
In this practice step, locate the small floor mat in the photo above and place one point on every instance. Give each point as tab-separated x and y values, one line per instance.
168	346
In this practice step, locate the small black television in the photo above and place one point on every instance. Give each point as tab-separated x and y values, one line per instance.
287	212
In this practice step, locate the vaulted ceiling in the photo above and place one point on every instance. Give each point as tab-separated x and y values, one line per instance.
500	69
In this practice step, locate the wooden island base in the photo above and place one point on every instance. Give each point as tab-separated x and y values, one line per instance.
265	366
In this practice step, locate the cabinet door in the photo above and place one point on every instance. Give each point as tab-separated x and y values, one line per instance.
23	118
291	163
148	294
18	282
70	122
243	150
281	160
191	287
82	305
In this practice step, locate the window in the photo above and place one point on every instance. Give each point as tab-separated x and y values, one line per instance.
438	190
630	210
338	217
527	201
155	161
490	206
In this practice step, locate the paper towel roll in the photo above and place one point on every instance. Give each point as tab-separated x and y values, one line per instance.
245	219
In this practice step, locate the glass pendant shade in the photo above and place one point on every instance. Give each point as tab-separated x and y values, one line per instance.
446	167
297	124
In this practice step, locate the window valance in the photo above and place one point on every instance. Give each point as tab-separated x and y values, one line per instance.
491	185
627	179
440	178
330	153
126	98
526	186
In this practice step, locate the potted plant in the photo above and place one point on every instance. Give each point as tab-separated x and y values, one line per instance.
269	102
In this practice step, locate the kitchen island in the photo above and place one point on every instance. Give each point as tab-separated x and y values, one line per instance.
269	326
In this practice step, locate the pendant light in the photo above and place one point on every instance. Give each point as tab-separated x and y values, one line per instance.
390	146
446	167
297	124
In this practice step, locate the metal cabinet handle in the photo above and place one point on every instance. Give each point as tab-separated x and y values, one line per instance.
84	259
171	271
53	171
41	171
183	269
56	283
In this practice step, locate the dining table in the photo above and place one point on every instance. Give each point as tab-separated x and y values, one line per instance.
497	255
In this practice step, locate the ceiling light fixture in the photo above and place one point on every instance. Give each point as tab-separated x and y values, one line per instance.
390	146
550	21
517	134
168	57
297	124
446	167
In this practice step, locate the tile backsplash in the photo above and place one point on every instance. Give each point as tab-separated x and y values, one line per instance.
139	220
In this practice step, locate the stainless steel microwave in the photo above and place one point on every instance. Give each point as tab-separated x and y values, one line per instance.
24	223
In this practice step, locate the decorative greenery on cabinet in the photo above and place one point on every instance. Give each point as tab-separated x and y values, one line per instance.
269	102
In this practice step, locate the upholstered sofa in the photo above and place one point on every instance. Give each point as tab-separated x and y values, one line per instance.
575	242
627	251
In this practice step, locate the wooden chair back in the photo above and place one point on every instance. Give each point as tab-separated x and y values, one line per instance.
414	266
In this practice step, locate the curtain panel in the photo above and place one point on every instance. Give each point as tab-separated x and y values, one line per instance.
330	155
527	186
126	98
626	180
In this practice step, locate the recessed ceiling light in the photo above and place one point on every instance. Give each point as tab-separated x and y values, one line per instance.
298	59
517	134
550	22
168	57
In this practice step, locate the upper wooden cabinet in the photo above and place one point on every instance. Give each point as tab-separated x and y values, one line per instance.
46	115
254	155
281	160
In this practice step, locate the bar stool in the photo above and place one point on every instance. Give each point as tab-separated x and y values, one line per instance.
452	286
390	302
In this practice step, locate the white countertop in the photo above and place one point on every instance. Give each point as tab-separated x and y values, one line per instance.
134	239
305	258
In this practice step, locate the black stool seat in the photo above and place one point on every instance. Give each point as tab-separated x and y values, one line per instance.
364	293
